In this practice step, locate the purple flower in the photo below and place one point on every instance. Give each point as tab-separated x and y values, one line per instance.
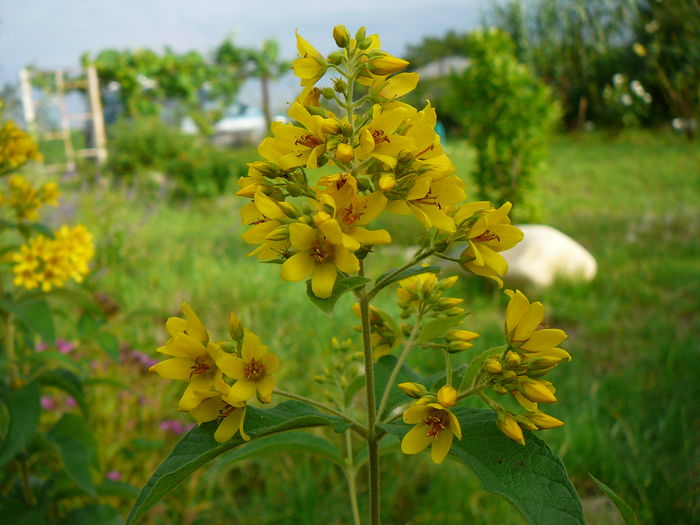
48	403
41	346
63	346
114	475
172	425
70	402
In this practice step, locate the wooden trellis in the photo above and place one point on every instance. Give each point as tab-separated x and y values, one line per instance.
90	82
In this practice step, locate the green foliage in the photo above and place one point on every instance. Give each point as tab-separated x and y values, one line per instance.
23	411
575	46
514	471
668	41
626	103
507	114
341	287
187	166
625	510
198	447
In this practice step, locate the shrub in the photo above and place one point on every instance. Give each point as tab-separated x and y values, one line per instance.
144	147
507	114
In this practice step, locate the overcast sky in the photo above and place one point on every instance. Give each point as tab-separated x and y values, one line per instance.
52	33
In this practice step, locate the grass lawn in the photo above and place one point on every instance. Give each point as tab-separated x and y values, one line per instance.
627	398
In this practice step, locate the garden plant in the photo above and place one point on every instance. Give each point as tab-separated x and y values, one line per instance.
352	154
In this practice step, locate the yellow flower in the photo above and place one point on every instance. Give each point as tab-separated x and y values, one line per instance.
230	417
25	199
389	88
262	215
252	371
193	359
310	66
435	426
378	138
489	234
16	147
302	145
48	263
525	333
317	257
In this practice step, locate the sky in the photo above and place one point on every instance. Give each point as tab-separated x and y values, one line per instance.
53	34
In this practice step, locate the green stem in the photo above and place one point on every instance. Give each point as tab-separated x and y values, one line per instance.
418	258
357	427
399	363
372	442
351	476
26	487
448	368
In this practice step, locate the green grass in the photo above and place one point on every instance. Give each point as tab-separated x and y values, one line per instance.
628	398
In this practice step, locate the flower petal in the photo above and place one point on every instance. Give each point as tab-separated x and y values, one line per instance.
416	440
231	365
441	446
298	267
177	368
544	339
241	391
323	280
531	319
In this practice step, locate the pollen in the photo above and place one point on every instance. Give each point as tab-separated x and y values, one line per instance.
319	252
488	235
379	136
436	423
254	370
309	141
201	365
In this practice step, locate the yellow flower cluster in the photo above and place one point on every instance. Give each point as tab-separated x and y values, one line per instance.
386	156
16	147
48	262
25	199
222	376
531	352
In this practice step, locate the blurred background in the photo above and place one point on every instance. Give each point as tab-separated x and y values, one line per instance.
583	113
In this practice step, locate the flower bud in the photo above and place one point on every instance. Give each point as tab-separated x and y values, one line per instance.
406	328
510	427
461	335
387	182
544	421
458	346
344	152
493	366
414	390
525	423
341	35
536	391
327	93
405	157
335	58
289	209
360	34
447	396
281	233
339	85
500	389
234	327
512	359
311	97
364	43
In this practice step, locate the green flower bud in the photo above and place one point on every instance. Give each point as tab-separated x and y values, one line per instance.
341	35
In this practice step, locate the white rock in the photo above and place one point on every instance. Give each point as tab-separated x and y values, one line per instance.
544	254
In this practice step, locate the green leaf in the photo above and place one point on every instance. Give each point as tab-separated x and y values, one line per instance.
34	313
109	343
68	382
625	510
23	409
438	328
342	286
77	449
382	371
76	297
287	442
92	514
198	447
384	279
14	512
28	227
88	326
353	388
120	489
531	477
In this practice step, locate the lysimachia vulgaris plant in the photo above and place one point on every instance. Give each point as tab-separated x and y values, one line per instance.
380	157
50	462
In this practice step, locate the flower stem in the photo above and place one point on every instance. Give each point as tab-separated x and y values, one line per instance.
372	441
399	363
351	476
357	427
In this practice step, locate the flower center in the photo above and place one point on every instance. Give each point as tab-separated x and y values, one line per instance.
201	365
430	200
379	136
488	235
319	252
226	410
309	141
437	422
254	370
351	216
